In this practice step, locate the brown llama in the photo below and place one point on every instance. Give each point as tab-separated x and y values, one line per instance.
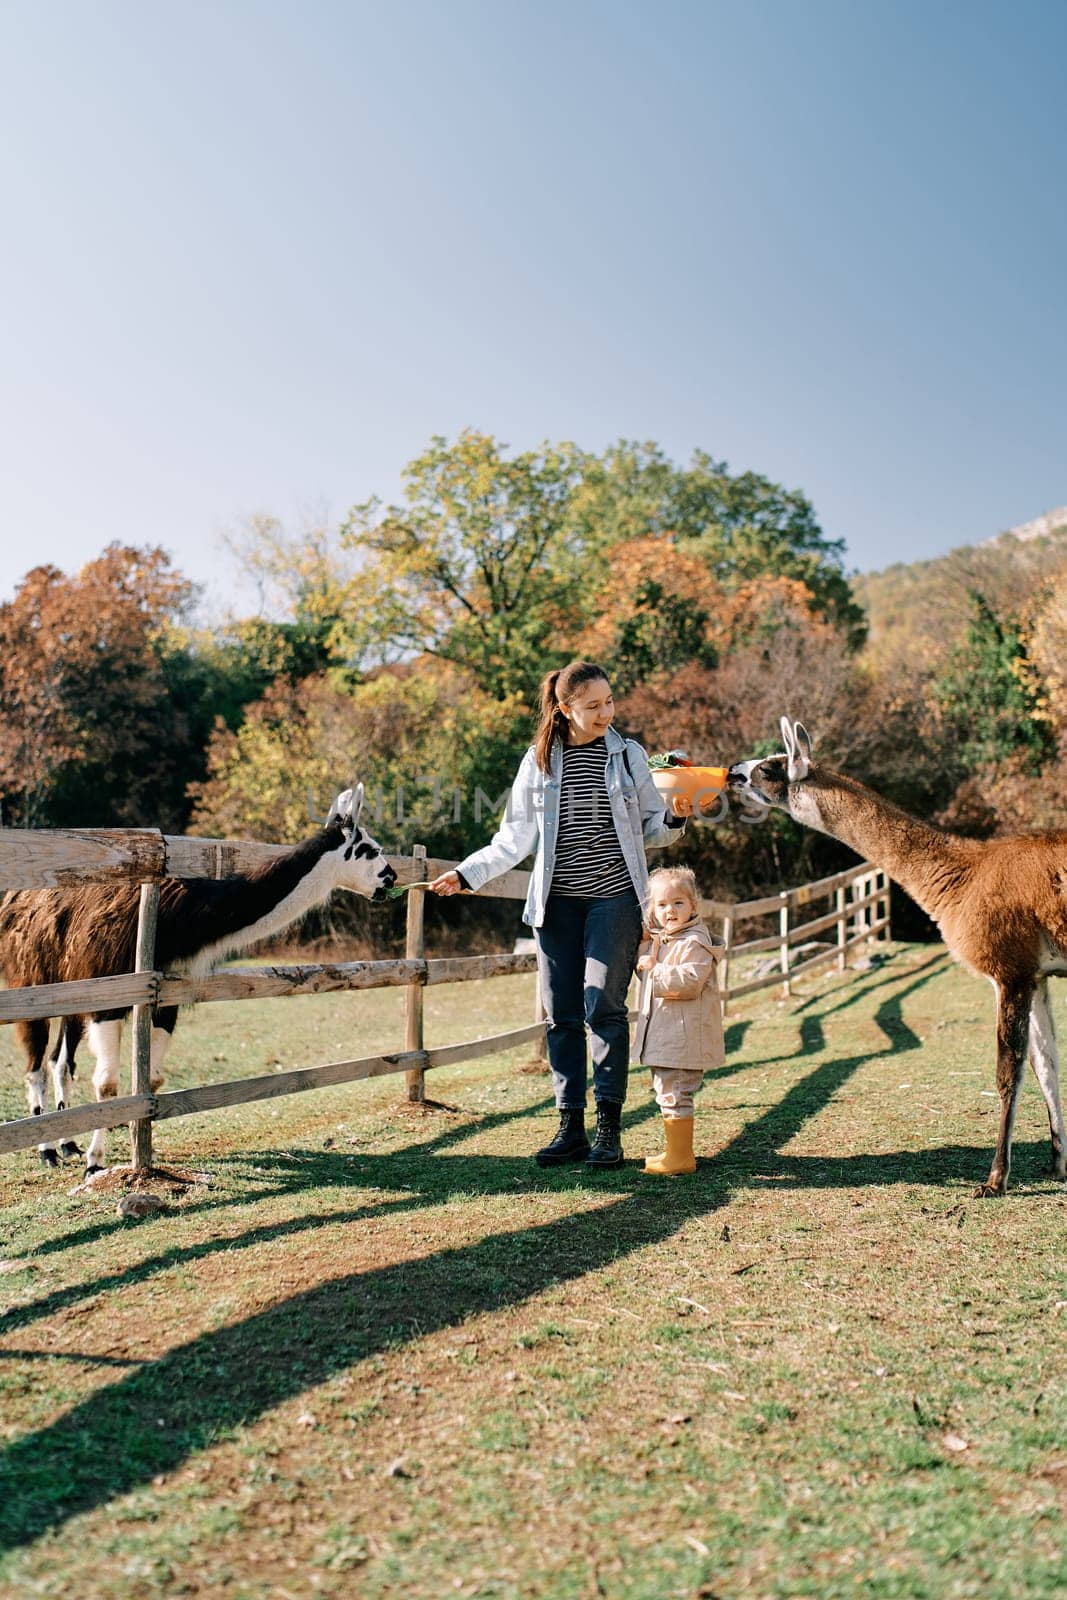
1000	904
66	935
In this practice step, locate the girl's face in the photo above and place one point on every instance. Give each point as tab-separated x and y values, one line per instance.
591	712
672	906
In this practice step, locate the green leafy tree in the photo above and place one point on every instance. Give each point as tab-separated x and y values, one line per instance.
481	567
991	694
434	751
743	526
497	563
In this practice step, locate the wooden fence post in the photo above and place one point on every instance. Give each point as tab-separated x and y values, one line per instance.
415	950
855	892
539	1054
783	934
147	917
882	907
842	927
727	939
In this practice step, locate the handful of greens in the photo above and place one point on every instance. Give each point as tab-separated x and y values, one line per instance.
671	758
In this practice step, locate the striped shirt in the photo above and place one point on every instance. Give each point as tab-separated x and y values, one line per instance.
589	858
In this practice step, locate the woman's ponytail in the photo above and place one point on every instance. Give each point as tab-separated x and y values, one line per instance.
556	690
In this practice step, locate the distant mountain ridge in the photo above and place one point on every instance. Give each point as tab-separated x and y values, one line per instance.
1040	528
915	610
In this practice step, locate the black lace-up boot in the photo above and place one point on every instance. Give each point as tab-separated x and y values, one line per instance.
570	1143
607	1140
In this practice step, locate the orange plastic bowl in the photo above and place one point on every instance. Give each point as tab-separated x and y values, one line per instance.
699	785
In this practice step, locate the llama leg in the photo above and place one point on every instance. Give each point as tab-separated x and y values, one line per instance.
105	1041
1044	1059
33	1037
1013	1025
62	1064
164	1021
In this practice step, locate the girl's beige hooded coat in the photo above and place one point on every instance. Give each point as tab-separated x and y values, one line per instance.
679	1020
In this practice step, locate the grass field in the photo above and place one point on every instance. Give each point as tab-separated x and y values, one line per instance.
384	1355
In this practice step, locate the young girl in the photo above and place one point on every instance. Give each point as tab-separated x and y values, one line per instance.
679	1027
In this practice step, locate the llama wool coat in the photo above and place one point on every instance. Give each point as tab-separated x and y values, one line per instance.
679	1021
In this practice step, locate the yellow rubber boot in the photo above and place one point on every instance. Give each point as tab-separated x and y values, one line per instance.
678	1156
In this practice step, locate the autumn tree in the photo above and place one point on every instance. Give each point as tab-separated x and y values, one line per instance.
655	608
1046	633
86	731
919	611
436	755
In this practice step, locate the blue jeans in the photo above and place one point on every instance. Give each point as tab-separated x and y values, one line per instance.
586	950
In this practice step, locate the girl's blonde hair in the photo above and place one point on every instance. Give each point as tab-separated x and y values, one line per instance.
557	689
685	877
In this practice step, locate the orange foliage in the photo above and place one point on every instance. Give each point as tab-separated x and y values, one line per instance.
754	611
80	682
629	569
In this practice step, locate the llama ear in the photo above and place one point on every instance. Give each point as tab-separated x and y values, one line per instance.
787	736
357	802
798	746
342	809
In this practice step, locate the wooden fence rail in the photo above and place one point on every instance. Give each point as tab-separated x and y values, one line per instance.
37	860
29	1131
250	983
860	911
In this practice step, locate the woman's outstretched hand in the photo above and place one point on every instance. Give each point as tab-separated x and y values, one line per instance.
681	805
447	883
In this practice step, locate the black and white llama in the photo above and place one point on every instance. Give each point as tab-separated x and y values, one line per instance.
66	935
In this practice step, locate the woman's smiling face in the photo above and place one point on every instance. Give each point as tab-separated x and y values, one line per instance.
591	712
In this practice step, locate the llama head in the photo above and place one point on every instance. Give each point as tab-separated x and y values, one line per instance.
779	780
361	863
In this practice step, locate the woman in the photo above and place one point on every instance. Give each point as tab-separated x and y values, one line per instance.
584	798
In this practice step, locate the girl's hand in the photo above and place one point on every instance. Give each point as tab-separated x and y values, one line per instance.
681	805
447	883
650	957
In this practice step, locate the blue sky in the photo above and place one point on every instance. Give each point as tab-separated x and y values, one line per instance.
257	253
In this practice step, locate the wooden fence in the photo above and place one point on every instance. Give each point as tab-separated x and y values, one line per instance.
39	860
860	911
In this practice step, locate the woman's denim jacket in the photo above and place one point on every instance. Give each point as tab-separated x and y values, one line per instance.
531	819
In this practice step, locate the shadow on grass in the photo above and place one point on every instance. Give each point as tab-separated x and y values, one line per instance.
474	1123
933	1166
226	1202
734	1035
151	1420
312	1169
864	984
812	1024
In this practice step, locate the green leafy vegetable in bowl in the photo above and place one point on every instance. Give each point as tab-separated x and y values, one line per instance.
670	758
